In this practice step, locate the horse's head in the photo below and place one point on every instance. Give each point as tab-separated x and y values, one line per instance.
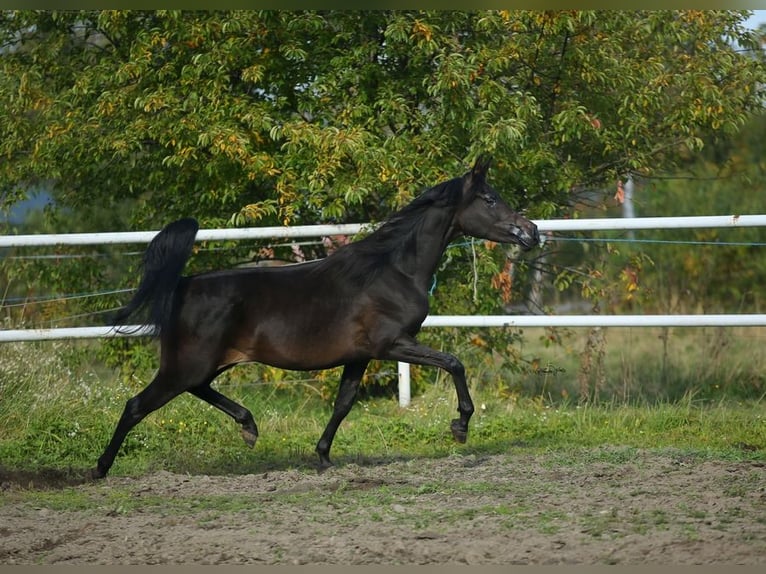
483	213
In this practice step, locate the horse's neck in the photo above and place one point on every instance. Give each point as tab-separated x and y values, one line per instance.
431	239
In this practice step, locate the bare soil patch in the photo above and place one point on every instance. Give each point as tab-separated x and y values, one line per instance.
618	506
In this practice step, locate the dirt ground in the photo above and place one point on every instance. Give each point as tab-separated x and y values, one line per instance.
595	507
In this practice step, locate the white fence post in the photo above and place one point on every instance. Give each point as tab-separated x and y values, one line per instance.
404	384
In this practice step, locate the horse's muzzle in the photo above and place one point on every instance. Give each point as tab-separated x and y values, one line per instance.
527	236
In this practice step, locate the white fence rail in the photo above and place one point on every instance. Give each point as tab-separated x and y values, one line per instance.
512	321
707	221
722	221
202	235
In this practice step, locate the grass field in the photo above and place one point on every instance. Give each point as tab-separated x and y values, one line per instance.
699	391
662	463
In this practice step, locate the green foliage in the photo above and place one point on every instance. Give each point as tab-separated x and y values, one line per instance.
727	178
133	118
306	116
706	270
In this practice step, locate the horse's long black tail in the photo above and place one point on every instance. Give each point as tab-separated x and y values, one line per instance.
163	262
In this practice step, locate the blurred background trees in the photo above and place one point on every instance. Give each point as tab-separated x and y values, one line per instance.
294	117
129	119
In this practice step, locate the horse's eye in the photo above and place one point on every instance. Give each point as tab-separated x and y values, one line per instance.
491	200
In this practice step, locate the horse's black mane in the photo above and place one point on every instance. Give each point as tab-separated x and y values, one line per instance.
383	246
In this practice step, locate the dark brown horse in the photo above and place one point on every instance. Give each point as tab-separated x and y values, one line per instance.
365	301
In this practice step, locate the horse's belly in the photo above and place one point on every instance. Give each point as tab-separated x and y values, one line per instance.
304	346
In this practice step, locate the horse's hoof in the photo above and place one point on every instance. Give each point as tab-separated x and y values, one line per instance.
324	464
249	437
95	474
459	431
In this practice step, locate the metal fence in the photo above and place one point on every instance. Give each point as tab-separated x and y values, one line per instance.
544	226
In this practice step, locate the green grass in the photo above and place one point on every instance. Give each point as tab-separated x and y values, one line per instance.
58	413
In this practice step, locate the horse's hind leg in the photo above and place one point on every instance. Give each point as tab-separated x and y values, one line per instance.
158	393
236	411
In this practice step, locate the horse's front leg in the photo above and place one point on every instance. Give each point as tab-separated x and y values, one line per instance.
349	383
408	350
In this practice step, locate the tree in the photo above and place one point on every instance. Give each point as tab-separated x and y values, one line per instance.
723	273
297	117
300	117
273	117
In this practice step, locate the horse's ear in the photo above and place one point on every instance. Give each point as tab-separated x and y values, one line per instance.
480	168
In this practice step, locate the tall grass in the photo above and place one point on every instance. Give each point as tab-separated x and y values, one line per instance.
644	365
58	409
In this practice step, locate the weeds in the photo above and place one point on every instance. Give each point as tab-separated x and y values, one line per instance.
58	409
